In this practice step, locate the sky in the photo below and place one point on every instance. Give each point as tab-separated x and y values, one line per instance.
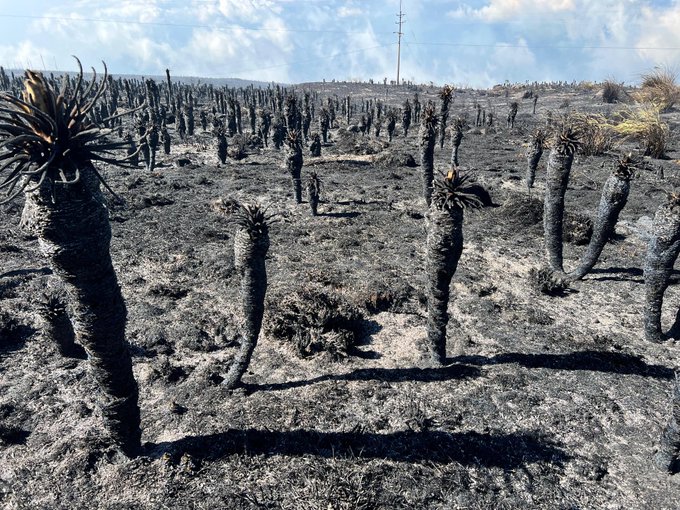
467	43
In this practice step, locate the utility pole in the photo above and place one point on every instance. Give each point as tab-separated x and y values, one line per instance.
400	16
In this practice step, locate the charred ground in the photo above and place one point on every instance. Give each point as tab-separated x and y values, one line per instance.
550	402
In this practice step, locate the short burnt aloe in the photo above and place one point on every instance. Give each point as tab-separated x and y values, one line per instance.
251	244
49	146
612	202
452	195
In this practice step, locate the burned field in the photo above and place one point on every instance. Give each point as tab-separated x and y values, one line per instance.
545	400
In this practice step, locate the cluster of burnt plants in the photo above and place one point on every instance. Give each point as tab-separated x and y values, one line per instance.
64	202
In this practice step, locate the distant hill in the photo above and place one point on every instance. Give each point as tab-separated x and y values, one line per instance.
230	82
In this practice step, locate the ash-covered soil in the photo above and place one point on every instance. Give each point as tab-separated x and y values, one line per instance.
547	402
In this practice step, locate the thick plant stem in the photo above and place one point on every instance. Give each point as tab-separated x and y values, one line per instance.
428	138
533	157
668	456
457	139
250	249
444	248
74	234
613	200
294	163
662	251
557	178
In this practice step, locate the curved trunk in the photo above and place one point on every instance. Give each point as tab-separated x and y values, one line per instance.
249	260
668	456
662	250
613	200
427	141
533	157
74	234
444	247
557	178
457	139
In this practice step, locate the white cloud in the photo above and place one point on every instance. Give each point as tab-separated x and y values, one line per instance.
346	11
659	29
24	54
499	10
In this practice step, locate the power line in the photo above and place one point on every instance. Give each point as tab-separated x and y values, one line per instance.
540	46
225	28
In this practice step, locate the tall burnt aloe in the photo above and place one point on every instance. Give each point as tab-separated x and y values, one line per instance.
49	146
428	137
613	200
451	196
662	251
251	244
445	94
534	153
457	137
557	177
294	162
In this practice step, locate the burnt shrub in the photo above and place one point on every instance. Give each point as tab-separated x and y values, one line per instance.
313	320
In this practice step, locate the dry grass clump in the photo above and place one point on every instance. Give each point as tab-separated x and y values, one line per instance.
315	320
659	88
644	124
544	281
597	134
611	91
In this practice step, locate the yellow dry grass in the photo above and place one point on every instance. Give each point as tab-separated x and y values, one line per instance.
659	88
643	123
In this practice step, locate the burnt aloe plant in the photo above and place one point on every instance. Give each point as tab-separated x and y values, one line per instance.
428	138
294	162
222	145
451	196
251	244
534	153
667	457
556	181
406	115
313	192
613	200
662	251
49	149
512	113
445	94
458	126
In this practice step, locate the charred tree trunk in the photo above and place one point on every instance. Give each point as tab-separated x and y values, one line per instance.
250	249
534	154
667	457
75	235
444	248
557	178
613	200
428	136
662	251
294	162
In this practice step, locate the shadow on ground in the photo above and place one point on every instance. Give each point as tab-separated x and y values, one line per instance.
595	361
447	373
507	451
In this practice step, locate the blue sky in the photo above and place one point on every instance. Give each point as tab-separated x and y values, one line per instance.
474	43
